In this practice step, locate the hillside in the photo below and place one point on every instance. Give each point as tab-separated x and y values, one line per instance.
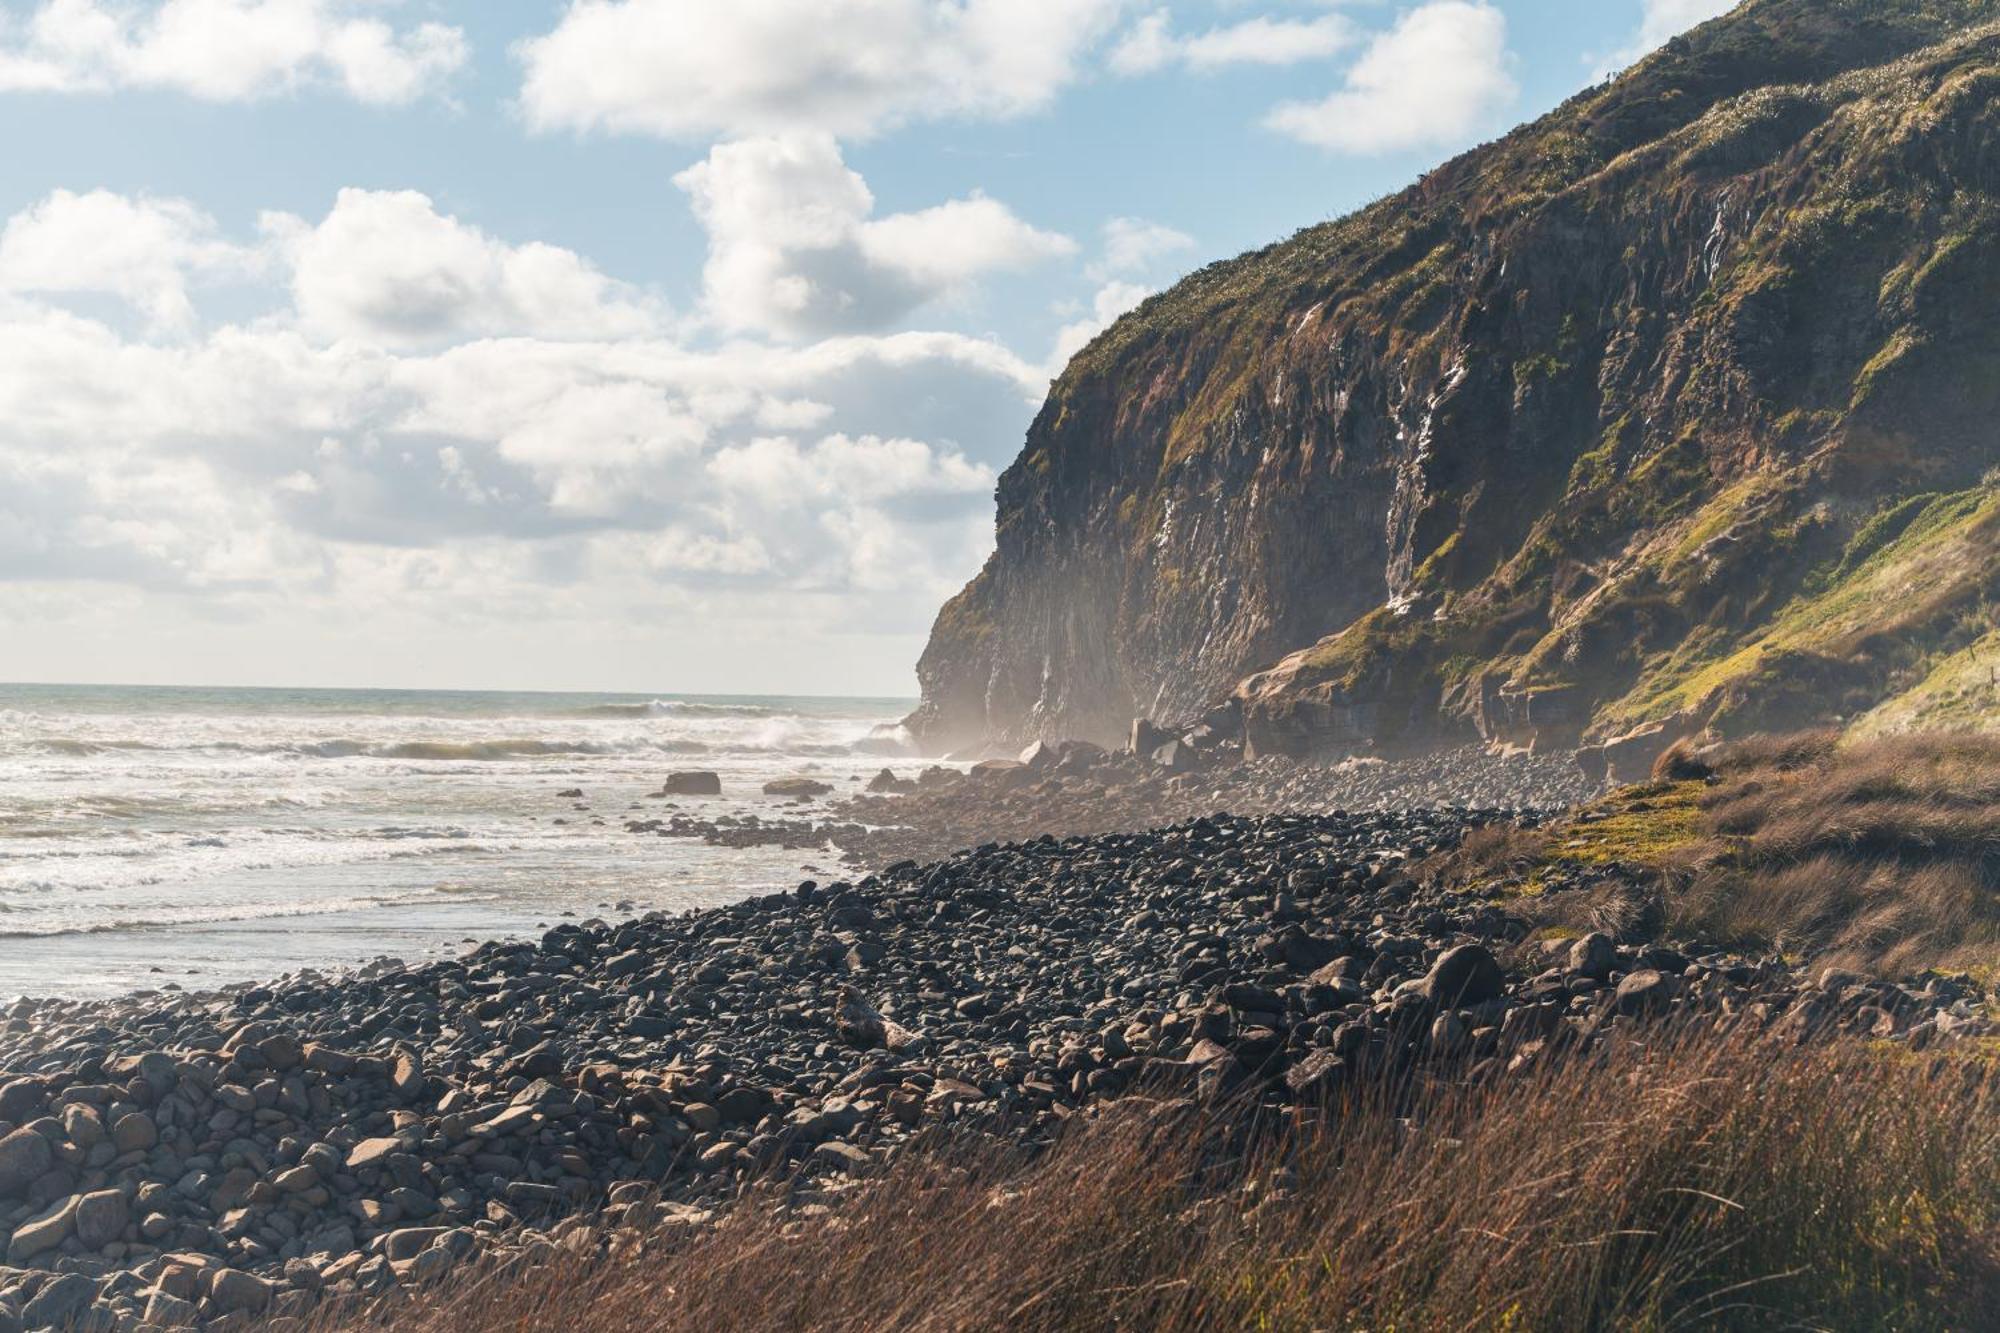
1675	405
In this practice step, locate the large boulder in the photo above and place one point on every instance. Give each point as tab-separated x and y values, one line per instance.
797	788
135	1132
1647	993
700	783
233	1291
21	1099
1000	770
101	1218
25	1157
42	1233
1177	756
1466	975
1595	955
1041	755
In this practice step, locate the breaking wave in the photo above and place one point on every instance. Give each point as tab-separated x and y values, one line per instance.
674	708
175	919
775	738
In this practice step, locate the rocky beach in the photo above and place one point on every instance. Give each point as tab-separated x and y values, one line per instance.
326	1146
1075	787
935	666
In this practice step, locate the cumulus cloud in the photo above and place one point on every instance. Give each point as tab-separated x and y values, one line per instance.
368	456
387	267
1438	78
1661	21
793	250
1151	43
145	252
695	68
226	50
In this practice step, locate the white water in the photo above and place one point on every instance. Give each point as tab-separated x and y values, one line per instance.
154	836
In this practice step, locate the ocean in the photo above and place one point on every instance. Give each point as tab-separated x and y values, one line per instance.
194	837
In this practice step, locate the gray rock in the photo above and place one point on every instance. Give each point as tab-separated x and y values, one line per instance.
101	1218
42	1233
59	1301
1647	993
1594	955
371	1153
1466	975
25	1157
135	1132
408	1243
166	1310
797	787
233	1291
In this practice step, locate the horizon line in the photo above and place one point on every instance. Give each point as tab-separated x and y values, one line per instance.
451	689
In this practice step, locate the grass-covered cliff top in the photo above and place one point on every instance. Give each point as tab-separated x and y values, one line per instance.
1765	44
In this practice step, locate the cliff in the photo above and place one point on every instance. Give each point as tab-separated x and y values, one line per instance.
1675	404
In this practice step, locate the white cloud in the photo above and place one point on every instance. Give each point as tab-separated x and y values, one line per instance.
1662	21
143	251
367	463
1112	300
793	249
697	68
1134	244
1439	77
1151	44
387	267
226	50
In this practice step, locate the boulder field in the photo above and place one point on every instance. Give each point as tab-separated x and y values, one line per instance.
177	1159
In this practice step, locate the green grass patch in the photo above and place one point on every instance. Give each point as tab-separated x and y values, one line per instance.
1641	825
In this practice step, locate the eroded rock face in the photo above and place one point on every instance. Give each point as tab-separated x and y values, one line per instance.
1473	463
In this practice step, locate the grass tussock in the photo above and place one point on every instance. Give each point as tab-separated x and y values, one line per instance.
1699	1183
1883	855
1880	855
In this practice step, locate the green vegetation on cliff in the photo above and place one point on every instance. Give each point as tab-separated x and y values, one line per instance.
1675	404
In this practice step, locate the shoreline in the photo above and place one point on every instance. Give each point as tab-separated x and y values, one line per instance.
319	1140
723	848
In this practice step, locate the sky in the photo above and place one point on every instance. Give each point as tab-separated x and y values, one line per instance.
651	345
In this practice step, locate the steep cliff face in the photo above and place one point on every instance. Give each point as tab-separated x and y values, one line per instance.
1551	444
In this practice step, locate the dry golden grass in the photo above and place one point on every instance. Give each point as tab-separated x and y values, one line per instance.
1705	1182
1883	855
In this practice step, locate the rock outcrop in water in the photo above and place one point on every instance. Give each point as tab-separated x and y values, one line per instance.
1672	407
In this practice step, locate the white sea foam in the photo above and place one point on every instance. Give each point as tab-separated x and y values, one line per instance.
237	833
